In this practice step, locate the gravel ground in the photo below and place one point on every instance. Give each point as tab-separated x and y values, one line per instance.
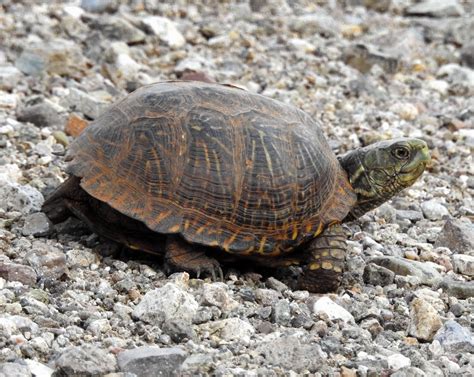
368	70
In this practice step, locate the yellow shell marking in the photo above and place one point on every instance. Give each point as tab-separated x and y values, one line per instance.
327	265
314	266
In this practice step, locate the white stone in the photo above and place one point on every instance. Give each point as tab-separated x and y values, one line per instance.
166	30
398	361
23	198
231	329
439	86
334	311
8	101
464	264
165	303
38	369
406	111
434	210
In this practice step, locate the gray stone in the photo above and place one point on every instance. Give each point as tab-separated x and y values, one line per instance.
90	105
21	198
151	361
41	115
86	360
455	338
455	74
38	369
409	215
328	307
276	284
178	330
230	329
37	224
165	303
281	313
436	8
378	275
363	57
98	6
398	361
59	56
48	261
291	353
434	210
458	289
18	272
467	55
409	372
464	264
424	320
14	370
216	294
458	236
10	76
423	270
165	29
315	23
117	28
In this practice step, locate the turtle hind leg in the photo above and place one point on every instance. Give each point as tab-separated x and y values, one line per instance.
55	206
182	255
326	261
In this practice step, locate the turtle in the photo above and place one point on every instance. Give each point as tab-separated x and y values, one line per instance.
194	171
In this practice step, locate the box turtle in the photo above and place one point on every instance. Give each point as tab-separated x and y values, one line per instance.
215	168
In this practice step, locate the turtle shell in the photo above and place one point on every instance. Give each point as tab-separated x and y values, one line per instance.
219	165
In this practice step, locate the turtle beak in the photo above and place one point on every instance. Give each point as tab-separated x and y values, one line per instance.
420	160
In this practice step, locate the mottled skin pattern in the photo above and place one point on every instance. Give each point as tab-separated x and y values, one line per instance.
224	169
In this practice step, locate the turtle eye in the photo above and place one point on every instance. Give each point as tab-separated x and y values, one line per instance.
402	153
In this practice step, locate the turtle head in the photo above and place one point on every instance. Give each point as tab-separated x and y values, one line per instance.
379	171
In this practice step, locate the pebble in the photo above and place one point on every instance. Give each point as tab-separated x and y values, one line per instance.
464	264
86	360
37	224
398	361
10	76
48	261
459	289
434	210
424	320
328	307
455	338
378	275
151	361
118	28
97	6
458	236
436	8
165	303
22	198
18	272
41	115
467	55
216	294
230	329
165	29
88	104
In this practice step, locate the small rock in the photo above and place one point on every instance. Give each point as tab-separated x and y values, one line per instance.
423	270
276	284
14	370
364	57
151	361
291	353
334	311
454	338
217	294
98	6
315	23
455	74
281	313
18	272
458	289
48	261
117	28
378	275
409	372
425	320
86	360
165	303
436	8
178	330
398	361
7	101
434	210
230	329
10	76
37	224
90	105
165	29
458	236
467	56
41	115
59	56
75	125
464	264
21	198
411	215
38	369
405	111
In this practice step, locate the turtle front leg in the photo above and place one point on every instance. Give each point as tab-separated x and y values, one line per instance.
182	255
325	264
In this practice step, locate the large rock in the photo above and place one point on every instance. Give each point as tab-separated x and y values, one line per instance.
21	198
41	115
151	361
86	360
425	320
458	236
165	303
17	272
292	353
14	370
37	224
